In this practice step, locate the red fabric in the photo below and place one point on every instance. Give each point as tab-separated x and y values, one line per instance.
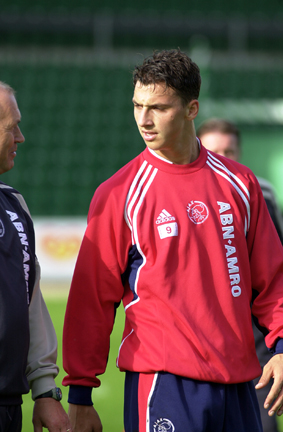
205	239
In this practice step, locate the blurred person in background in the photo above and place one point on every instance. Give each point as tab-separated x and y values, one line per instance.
179	235
223	137
28	343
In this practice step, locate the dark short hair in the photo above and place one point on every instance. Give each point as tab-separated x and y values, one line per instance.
219	125
175	69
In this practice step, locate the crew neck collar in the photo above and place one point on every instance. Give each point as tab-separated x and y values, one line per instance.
166	160
168	166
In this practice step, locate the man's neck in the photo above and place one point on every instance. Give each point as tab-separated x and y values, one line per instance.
184	157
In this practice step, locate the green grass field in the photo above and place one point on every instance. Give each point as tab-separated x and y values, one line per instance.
108	399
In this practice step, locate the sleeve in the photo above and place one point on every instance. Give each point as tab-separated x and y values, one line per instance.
96	290
41	366
266	264
41	363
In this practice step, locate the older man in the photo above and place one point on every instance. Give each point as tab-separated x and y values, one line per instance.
28	344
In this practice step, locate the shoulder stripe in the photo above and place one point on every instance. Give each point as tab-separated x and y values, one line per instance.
135	198
5	186
141	198
221	165
130	193
240	187
19	196
138	188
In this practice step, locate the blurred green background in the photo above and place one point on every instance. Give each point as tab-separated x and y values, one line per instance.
71	63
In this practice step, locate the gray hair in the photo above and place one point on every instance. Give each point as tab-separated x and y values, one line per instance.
7	87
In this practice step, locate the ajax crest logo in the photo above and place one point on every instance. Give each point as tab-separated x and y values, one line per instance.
163	425
197	212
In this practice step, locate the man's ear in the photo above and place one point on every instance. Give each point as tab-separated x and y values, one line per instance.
192	109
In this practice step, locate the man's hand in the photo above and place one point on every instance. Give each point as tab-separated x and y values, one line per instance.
49	413
84	418
273	369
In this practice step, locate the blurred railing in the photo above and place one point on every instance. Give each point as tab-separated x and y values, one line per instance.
237	32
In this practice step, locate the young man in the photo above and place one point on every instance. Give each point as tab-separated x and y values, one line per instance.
184	239
27	337
223	137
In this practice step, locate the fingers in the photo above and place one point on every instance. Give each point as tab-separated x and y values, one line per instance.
273	369
265	377
275	395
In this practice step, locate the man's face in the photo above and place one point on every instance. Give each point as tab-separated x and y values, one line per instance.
161	117
222	143
10	133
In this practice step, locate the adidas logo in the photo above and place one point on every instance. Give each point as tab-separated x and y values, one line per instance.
164	217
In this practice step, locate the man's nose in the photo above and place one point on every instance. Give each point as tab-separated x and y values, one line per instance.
144	118
19	138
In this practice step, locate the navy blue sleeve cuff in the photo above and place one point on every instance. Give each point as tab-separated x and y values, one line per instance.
80	395
278	348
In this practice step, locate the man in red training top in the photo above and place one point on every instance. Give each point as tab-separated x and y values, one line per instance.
184	239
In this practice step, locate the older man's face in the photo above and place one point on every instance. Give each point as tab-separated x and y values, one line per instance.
10	133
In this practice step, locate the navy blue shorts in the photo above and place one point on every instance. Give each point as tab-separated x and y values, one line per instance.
163	402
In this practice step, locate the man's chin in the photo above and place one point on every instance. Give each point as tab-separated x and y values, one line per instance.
6	168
